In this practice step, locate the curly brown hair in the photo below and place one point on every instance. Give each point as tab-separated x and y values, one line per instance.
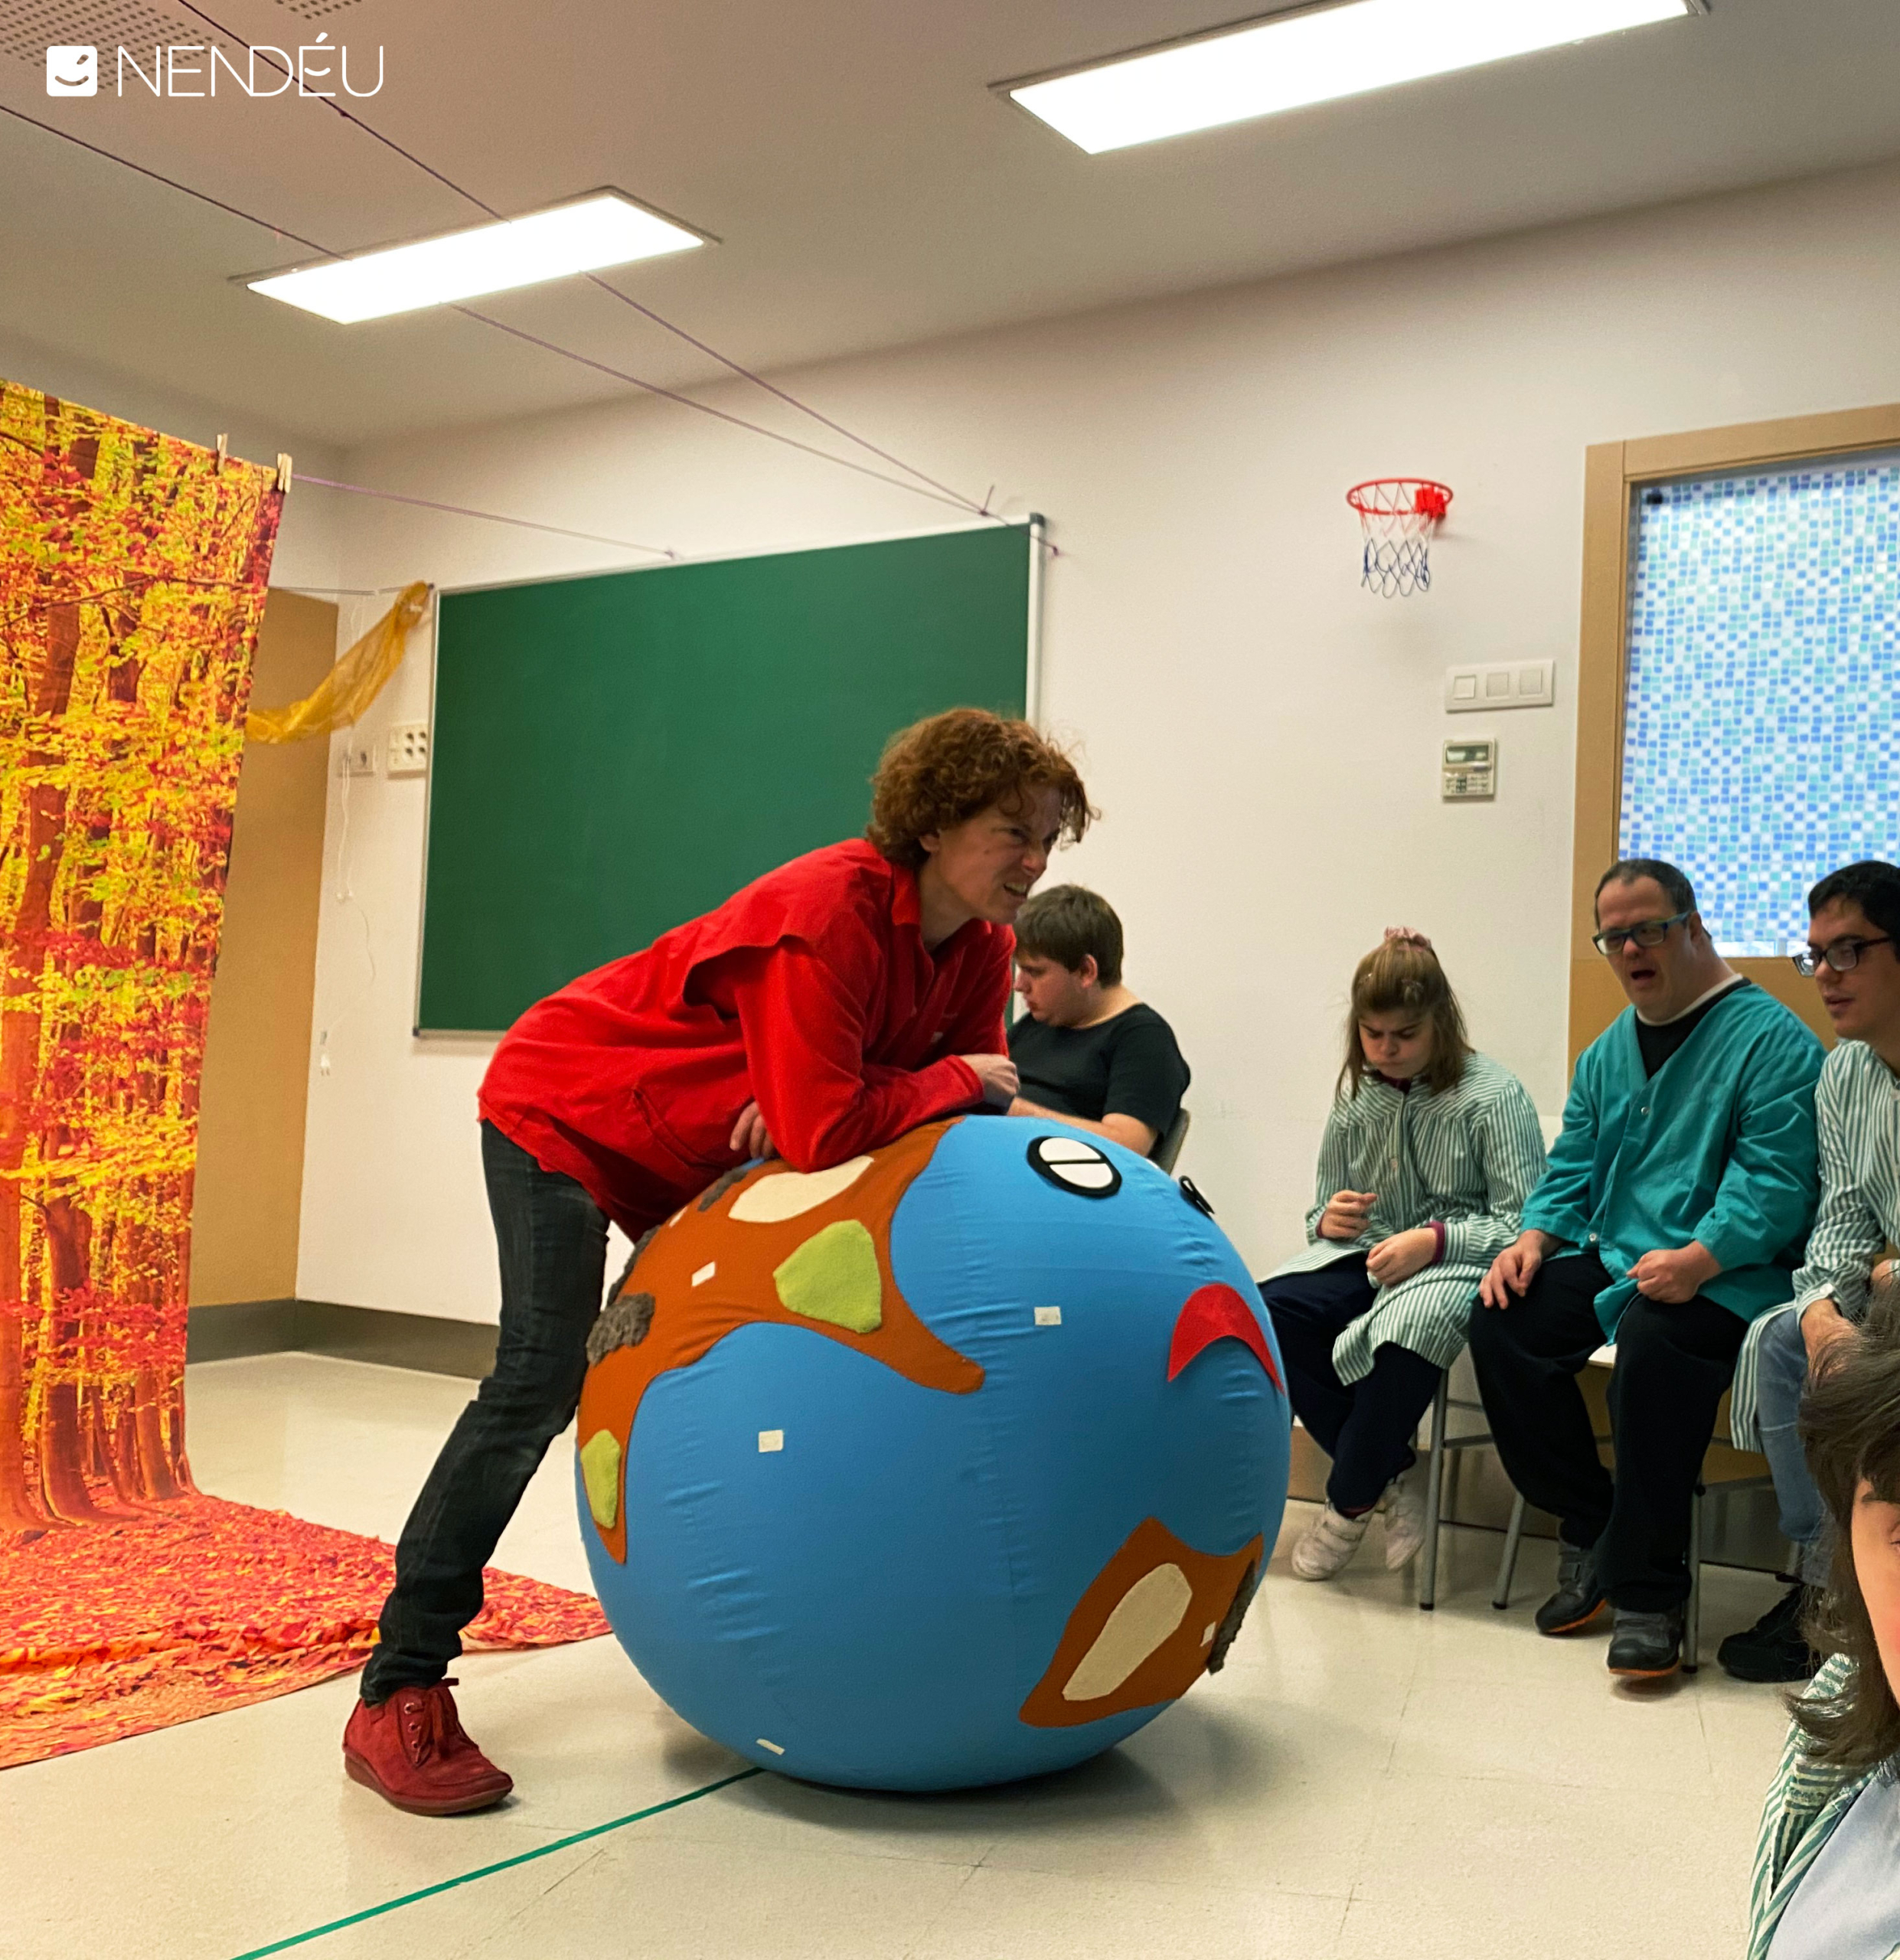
940	772
1402	975
1850	1423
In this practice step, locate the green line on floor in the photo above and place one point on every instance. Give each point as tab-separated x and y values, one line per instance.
488	1871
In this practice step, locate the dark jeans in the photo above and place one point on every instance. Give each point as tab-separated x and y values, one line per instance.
1365	1427
553	1245
1672	1365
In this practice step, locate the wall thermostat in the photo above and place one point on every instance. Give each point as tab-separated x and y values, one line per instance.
1470	771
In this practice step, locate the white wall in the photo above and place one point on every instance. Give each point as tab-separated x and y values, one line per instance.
1262	736
309	539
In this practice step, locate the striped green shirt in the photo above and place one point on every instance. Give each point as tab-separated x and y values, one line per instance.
1857	1109
1468	1157
1805	1802
1857	1116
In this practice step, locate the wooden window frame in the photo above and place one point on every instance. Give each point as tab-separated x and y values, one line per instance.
1615	475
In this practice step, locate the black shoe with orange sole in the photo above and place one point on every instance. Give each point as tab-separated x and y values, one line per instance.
1579	1598
1645	1646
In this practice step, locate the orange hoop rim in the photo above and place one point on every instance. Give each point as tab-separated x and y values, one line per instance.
1428	498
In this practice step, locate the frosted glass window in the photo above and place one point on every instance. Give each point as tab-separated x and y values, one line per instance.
1762	743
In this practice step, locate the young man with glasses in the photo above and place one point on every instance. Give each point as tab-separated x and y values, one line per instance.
1681	1185
1852	955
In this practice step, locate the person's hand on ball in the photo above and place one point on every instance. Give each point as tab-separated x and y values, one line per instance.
997	1075
750	1137
1402	1255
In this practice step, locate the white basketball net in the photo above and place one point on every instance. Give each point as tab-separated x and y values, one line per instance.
1398	520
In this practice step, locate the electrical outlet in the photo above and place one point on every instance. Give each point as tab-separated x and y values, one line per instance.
409	748
356	758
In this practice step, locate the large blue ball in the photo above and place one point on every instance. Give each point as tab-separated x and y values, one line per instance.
872	1598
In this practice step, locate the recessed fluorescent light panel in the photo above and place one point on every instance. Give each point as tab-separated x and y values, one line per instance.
1318	56
606	230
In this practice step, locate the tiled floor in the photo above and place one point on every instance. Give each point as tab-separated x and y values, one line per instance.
1364	1779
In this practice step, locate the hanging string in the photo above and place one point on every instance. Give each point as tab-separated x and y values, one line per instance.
772	388
338	591
488	516
613	291
551	347
158	176
345	894
653	388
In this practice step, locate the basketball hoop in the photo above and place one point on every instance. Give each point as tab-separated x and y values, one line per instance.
1398	516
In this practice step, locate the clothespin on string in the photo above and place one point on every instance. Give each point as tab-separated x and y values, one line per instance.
283	470
223	452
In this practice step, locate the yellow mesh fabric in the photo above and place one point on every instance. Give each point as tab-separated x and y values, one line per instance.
351	684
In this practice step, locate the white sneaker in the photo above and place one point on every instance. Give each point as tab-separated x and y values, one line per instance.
1330	1541
1404	1505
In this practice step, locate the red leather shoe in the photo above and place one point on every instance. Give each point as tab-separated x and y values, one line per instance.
412	1752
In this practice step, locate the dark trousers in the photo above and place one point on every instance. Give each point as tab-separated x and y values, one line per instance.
553	1241
1365	1427
1672	1365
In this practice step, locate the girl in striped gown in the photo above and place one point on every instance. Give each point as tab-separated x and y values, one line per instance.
1429	1154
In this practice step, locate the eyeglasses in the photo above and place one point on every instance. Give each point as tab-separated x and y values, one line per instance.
1651	933
1843	956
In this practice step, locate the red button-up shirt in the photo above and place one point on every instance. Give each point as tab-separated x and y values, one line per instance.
810	992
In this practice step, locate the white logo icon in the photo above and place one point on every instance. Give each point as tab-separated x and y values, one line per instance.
72	71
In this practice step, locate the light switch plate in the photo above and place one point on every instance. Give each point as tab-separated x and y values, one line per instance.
1501	683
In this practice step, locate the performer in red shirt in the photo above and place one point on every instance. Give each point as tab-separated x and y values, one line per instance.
825	1009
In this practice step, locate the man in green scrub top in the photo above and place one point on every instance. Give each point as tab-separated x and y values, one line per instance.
1675	1205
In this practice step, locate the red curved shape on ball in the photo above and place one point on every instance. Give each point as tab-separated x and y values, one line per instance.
1218	1313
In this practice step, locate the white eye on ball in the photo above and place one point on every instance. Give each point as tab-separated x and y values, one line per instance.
1073	1166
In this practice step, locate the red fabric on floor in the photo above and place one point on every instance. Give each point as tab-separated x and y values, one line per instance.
116	1629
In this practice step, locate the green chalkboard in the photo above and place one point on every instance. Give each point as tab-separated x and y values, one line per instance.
612	754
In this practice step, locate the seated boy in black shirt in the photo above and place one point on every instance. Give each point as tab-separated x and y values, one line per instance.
1087	1051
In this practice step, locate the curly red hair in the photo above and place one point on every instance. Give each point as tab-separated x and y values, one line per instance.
940	772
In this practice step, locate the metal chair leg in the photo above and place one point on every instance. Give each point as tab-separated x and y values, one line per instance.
1692	1619
1507	1565
1434	1498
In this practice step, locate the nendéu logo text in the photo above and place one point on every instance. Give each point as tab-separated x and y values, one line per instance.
184	70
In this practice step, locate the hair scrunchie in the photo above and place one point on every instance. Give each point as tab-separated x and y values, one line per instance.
1406	936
